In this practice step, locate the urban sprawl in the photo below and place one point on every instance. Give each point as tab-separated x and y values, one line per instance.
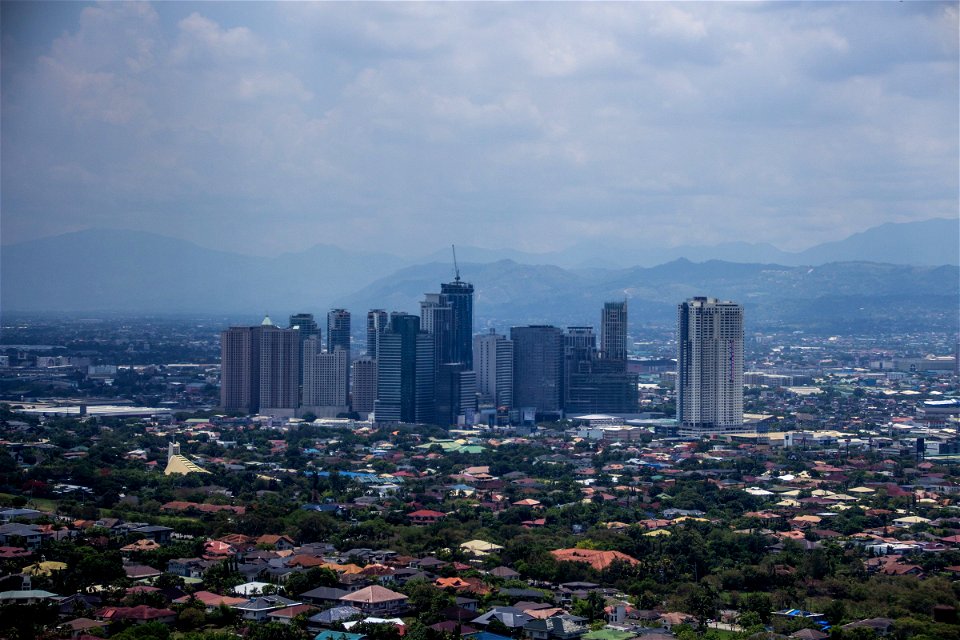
423	479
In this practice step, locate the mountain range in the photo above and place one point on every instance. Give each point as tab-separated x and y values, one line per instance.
856	282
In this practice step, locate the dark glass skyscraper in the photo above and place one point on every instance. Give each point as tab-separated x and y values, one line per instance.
458	295
613	332
397	370
377	323
338	331
538	368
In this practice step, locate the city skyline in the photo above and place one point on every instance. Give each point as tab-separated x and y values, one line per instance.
533	127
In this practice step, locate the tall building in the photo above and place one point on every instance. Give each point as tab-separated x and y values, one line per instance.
397	370
279	369
326	378
363	385
377	323
538	368
306	324
458	295
425	398
709	366
592	384
493	364
436	318
338	331
456	395
308	328
240	369
613	331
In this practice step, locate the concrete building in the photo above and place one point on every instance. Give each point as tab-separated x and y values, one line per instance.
326	379
363	380
613	331
493	364
279	369
709	367
240	369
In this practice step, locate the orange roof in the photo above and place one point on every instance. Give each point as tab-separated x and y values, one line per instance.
599	560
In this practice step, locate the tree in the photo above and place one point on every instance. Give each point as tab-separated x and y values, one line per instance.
148	631
590	608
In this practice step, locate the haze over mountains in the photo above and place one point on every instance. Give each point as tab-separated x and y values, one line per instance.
891	273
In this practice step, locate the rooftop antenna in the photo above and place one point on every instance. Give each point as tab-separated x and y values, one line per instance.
456	269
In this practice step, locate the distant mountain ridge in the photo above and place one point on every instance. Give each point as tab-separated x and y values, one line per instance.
929	242
138	272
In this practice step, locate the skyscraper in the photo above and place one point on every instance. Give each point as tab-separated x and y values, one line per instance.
593	384
436	318
397	370
493	363
279	369
456	394
326	378
338	331
538	368
458	295
709	366
377	323
613	332
308	328
363	385
240	369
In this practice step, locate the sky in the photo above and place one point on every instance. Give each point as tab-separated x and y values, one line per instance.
404	127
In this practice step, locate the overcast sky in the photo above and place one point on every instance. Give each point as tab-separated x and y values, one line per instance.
271	127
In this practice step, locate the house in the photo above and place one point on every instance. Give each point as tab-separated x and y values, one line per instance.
280	543
187	567
28	536
557	627
79	626
156	533
333	615
140	572
511	617
140	614
210	601
426	516
26	596
258	608
599	560
376	600
323	596
287	614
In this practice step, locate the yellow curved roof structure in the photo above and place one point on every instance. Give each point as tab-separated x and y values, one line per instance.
180	464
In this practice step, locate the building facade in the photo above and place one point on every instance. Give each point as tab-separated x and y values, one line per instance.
458	295
326	377
613	331
363	381
538	368
377	323
397	370
493	364
709	366
279	369
240	369
338	331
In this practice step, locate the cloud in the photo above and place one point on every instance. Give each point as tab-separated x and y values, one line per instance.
403	126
